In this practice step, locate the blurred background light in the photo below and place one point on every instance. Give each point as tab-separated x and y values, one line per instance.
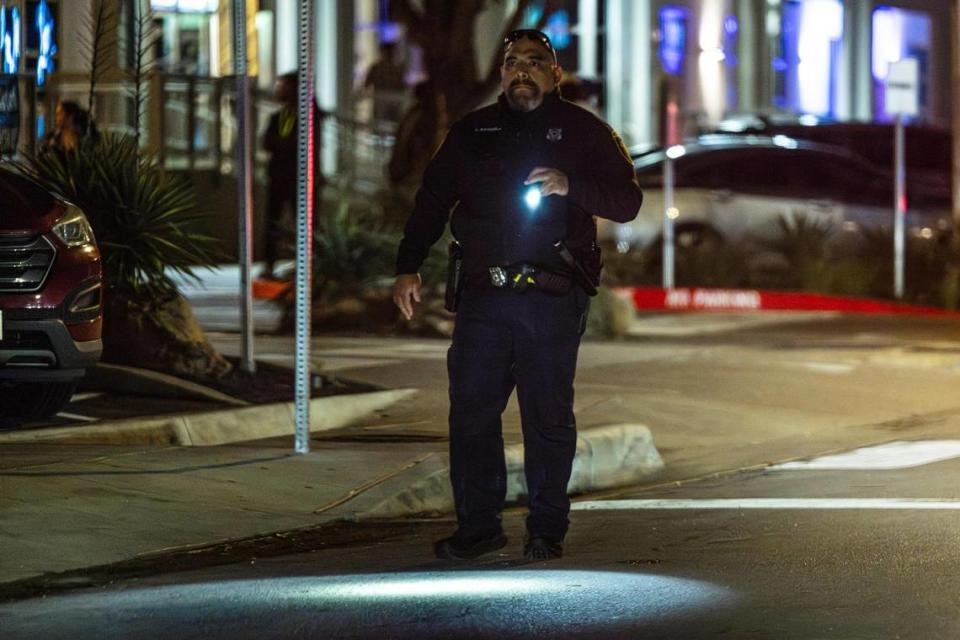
673	38
676	151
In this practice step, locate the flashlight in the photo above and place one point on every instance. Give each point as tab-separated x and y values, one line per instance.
532	197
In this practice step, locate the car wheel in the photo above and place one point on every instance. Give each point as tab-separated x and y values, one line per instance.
690	241
698	238
34	400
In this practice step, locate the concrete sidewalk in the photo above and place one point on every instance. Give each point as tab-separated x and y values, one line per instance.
67	505
714	407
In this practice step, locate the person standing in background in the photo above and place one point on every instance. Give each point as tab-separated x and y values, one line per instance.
280	139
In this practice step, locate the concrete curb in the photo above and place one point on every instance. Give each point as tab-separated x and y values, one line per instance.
609	456
144	382
216	427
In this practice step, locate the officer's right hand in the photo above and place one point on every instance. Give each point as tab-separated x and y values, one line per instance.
406	289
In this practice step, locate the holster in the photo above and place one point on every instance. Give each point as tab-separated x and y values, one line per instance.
451	298
580	275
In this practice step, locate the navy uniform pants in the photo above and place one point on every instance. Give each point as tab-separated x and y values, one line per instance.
504	339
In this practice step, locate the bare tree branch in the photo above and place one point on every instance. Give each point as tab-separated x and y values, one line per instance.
98	41
445	30
144	38
405	13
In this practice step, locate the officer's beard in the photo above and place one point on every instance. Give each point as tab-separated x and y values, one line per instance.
524	101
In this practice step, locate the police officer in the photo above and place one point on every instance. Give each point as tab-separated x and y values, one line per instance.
514	178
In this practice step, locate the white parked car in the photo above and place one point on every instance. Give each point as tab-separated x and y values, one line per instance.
736	187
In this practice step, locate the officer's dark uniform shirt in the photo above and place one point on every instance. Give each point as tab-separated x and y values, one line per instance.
479	171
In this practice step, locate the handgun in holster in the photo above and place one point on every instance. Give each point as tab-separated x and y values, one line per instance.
451	299
580	274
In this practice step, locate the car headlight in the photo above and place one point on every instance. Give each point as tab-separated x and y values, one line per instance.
74	228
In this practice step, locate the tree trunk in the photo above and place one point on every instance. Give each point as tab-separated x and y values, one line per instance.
160	335
444	30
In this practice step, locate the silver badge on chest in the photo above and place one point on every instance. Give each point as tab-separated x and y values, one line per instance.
554	135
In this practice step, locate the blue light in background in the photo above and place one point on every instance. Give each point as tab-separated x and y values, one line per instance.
730	30
4	41
9	39
673	38
47	47
558	29
41	126
896	34
899	34
532	15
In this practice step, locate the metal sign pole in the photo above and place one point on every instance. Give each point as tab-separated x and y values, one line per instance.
669	211
671	138
305	168
899	208
902	99
244	184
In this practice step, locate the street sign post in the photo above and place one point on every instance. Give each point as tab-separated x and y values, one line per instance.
305	169
901	100
671	140
244	183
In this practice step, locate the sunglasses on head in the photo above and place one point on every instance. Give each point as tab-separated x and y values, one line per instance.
531	34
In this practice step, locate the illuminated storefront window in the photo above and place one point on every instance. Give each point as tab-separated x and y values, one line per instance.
9	39
187	27
673	38
46	47
185	6
811	37
899	34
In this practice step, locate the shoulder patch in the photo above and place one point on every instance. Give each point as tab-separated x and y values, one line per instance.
620	145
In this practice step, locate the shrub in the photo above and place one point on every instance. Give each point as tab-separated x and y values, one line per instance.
145	219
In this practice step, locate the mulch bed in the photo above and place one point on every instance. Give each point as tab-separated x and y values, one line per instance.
275	383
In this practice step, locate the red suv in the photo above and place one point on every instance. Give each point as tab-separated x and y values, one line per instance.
50	299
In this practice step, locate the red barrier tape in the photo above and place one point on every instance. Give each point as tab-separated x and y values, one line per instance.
652	298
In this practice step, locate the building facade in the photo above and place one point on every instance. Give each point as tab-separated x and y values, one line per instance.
717	58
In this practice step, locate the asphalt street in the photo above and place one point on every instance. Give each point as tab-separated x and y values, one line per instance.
867	552
810	492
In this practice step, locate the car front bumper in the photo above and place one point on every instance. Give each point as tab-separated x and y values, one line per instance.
43	349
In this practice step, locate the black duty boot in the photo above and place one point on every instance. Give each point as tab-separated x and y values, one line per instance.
459	547
543	548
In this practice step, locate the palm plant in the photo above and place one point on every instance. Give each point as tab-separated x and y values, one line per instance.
800	238
146	223
144	218
803	244
355	249
926	266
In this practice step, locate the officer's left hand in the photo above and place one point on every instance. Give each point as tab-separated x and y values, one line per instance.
552	181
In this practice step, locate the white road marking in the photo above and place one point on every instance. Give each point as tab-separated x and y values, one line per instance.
892	455
769	503
75	416
828	367
688	324
89	395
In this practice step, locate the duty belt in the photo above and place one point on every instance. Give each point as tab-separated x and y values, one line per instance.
520	277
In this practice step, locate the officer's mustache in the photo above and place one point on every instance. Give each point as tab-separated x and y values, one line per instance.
525	83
